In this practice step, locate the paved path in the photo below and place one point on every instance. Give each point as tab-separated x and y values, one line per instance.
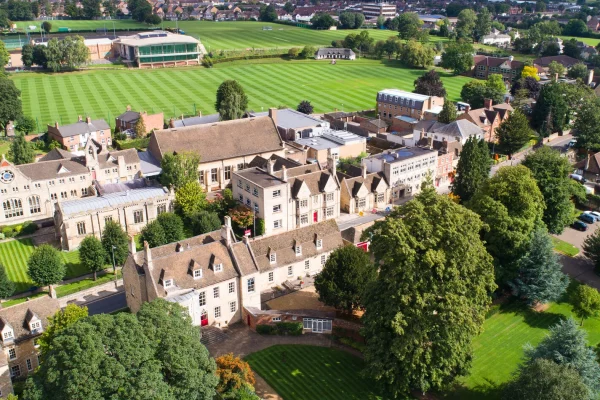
107	304
581	269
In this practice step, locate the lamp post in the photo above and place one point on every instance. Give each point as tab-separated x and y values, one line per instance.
113	247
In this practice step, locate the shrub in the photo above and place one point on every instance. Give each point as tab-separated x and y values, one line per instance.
260	227
289	328
29	227
355	345
139	144
8	232
265	329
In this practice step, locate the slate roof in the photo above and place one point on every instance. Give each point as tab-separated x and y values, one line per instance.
283	244
291	119
325	51
219	141
46	170
18	316
461	128
110	158
82	127
402	98
129	116
191	121
277	160
57	154
315	181
259	177
496	61
561	59
354	184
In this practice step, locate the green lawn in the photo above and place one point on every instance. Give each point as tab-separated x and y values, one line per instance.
307	373
15	253
350	85
589	41
564	247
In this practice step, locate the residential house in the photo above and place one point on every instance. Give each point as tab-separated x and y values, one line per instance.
293	125
593	23
361	191
496	38
589	167
129	119
289	198
565	61
21	325
339	144
223	147
488	118
76	136
334	53
448	138
505	66
393	103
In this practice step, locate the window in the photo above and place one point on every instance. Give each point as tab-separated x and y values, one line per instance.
162	208
213	175
201	174
36	325
241	199
12	354
81	228
37	185
12	208
323	259
240	166
277	208
380	198
217	312
298	250
34	204
15	371
228	172
240	184
61	181
247	188
108	219
251	285
26	187
63	195
304	219
8	335
319	243
36	343
218	267
231	287
248	202
290	270
29	366
255	192
306	264
216	292
197	273
271	277
329	196
361	202
202	298
316	199
168	283
277	224
276	193
276	319
84	192
138	217
73	193
303	203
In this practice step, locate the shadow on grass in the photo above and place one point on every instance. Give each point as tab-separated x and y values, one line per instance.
535	319
489	390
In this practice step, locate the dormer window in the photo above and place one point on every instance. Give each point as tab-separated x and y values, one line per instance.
273	258
319	244
218	267
7	335
35	325
168	283
197	273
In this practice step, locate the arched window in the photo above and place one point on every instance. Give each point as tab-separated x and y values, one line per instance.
34	204
12	208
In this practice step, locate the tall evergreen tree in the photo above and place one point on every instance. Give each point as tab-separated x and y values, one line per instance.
540	278
231	102
10	106
448	113
473	169
514	132
430	297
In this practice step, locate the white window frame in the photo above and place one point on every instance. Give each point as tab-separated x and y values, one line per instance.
12	354
167	283
276	319
273	258
271	276
197	273
290	271
298	250
219	267
251	285
232	306
216	293
217	312
202	298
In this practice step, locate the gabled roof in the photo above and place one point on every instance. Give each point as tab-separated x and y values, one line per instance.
461	128
315	182
353	185
19	316
277	160
561	59
57	154
82	127
45	170
129	116
496	61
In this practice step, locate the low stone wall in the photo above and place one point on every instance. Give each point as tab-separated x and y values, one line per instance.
80	297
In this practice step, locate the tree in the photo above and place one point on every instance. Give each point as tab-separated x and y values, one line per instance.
308	52
380	21
190	198
466	23
91	8
92	254
510	205
571	49
25	124
268	13
545	380
179	169
350	20
152	19
409	26
475	92
529	71
585	129
115	243
233	373
154	354
555	68
430	84
4	55
58	322
7	287
242	216
483	24
586	302
10	106
294	52
322	20
554	107
514	132
204	222
458	57
591	248
530	85
45	266
231	102
154	234
305	107
289	7
540	6
473	168
139	10
415	296
416	54
578	71
551	172
567	345
27	55
21	151
448	113
575	27
172	226
342	282
550	49
140	128
540	278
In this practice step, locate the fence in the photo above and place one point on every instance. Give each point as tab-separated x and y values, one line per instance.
12	44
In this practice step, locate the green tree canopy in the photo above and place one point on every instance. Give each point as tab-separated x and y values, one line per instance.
21	151
476	91
585	128
268	13
115	241
140	128
27	55
483	24
231	102
59	321
7	287
510	205
92	254
448	113
322	20
409	26
458	56
154	234
545	380
434	282
466	23
556	68
473	169
204	222
172	226
591	248
514	132
567	345
305	107
155	354
586	302
45	266
578	71
430	84
4	55
416	54
10	106
179	169
25	124
190	199
342	282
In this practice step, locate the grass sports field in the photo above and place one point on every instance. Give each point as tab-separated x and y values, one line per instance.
233	34
15	253
307	373
350	85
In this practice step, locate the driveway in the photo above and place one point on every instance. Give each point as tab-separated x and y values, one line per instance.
576	237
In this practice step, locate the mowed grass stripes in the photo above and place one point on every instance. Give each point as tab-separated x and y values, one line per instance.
15	253
350	85
298	372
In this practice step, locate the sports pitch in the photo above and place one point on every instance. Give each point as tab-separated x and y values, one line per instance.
349	85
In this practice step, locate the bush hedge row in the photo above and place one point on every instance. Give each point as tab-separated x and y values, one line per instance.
280	328
26	228
139	144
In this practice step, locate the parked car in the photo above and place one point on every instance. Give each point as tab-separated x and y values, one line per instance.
578	178
580	226
572	142
590	219
595	214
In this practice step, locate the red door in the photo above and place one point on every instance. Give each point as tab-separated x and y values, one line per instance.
316	216
204	318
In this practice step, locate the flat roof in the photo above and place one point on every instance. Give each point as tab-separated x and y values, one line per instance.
292	119
259	177
149	165
330	139
405	94
403	154
155	37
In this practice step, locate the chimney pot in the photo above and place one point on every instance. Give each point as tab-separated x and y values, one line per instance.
132	248
270	167
56	124
128	107
364	171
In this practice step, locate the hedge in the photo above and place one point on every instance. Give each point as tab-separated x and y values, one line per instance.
281	328
139	144
26	228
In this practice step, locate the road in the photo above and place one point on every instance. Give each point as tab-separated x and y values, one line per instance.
106	304
349	223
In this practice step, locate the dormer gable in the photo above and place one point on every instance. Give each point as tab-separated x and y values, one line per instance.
195	269
297	248
7	331
272	256
216	264
62	169
33	322
166	279
327	183
302	190
318	241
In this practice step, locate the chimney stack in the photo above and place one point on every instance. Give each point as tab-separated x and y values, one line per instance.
364	171
128	107
270	167
331	162
467	108
79	119
88	120
226	231
56	124
284	173
422	134
590	78
132	249
147	255
487	104
171	123
273	115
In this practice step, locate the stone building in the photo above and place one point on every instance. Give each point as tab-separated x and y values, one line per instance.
28	192
129	119
20	326
363	191
132	204
75	136
411	107
488	118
